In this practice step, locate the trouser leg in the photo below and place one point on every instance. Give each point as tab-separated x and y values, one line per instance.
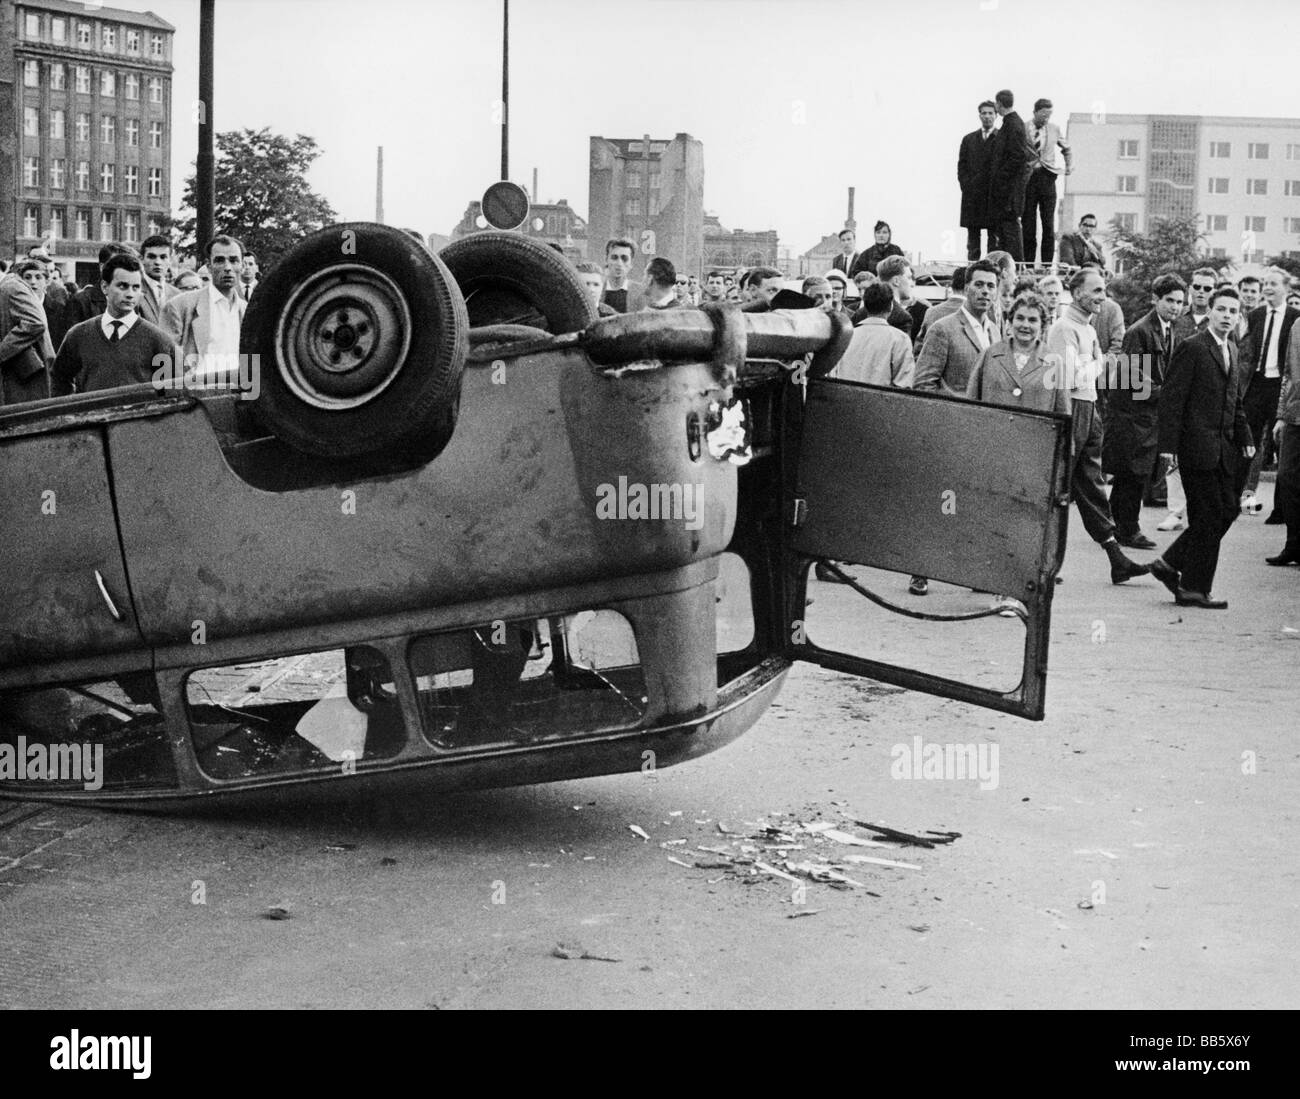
1048	207
1211	508
1286	493
1009	237
973	244
1126	503
1086	484
1029	219
1261	409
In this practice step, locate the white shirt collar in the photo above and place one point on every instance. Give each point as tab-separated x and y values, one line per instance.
127	322
219	300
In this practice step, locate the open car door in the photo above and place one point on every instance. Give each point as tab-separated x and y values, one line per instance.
972	496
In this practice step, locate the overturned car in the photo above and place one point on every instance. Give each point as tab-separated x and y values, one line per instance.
461	532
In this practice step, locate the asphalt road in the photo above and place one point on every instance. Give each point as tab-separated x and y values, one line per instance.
1159	795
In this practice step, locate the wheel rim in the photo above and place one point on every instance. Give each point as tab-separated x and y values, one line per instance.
342	336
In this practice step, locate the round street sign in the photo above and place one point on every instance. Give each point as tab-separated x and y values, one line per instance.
505	205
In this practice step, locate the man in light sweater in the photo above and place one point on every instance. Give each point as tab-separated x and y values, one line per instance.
1076	356
118	347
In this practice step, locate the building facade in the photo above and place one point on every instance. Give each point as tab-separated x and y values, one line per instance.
1239	177
87	156
732	248
650	192
554	223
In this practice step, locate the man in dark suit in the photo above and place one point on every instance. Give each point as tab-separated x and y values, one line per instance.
1076	249
1133	381
1203	423
90	302
25	350
973	160
1263	356
1009	170
845	260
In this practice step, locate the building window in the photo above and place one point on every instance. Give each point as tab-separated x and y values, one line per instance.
83	177
130	226
58	173
633	178
58	123
155	45
83	225
106	225
1257	150
108	37
83	126
31	122
106	179
1255	224
654	178
108	83
1127	185
83	34
1293	152
154	227
1291	187
57	228
155	135
1218	185
33	25
83	79
1128	149
132	86
155	89
31	171
58	78
155	183
132	41
1216	223
133	131
131	180
1256	186
1218	253
107	129
633	206
1126	222
59	29
1292	225
31	221
31	74
654	203
1220	148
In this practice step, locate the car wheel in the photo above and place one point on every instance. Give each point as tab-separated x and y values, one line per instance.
507	278
360	334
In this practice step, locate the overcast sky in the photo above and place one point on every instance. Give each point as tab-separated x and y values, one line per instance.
794	100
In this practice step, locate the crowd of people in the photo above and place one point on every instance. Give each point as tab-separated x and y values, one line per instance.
57	338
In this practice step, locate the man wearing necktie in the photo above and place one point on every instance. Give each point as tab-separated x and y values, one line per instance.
1134	378
1203	423
1040	192
848	254
118	347
1268	335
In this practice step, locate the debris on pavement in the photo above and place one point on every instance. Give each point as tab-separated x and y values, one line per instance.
637	830
277	912
802	912
929	839
574	951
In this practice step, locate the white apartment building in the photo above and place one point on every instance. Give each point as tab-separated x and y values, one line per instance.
1240	177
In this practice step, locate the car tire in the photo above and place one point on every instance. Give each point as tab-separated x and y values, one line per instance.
361	336
507	278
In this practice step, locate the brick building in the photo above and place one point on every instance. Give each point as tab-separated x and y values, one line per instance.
650	192
738	247
86	156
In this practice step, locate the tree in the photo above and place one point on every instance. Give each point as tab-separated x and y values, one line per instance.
1288	264
1170	245
262	195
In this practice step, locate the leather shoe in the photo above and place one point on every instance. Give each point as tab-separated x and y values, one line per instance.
1166	574
1126	570
1274	519
1136	541
919	585
1287	557
1185	598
